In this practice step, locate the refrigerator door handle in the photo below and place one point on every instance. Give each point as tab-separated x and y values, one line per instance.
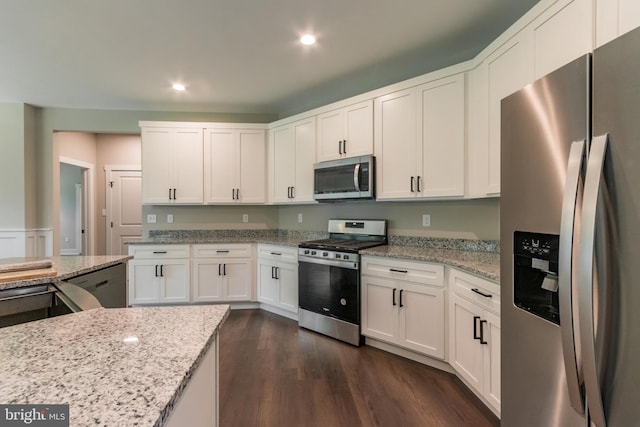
565	273
592	184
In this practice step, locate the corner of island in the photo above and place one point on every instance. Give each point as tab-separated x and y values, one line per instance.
145	366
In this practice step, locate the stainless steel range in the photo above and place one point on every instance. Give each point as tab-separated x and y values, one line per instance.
329	277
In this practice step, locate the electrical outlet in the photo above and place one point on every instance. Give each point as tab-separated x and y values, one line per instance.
300	218
426	220
169	218
245	217
151	218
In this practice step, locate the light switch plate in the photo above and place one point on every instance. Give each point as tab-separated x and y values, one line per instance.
245	217
426	220
169	218
151	218
300	218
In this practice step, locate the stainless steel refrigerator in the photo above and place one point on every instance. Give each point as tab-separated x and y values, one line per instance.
570	244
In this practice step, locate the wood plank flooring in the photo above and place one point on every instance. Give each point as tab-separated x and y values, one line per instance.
274	374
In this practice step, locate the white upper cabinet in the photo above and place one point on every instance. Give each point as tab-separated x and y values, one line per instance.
346	132
395	144
560	35
508	70
441	129
503	72
172	167
419	138
235	166
292	155
614	18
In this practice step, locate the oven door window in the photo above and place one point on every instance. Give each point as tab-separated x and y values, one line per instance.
328	290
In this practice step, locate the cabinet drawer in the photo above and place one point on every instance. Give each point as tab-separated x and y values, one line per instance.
159	251
410	271
277	252
481	292
226	251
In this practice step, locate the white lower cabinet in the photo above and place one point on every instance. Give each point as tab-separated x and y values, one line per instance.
222	273
474	334
159	274
278	279
403	303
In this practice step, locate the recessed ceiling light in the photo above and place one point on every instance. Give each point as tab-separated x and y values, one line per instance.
308	39
178	86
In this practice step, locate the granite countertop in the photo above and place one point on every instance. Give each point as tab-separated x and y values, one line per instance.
195	240
81	359
485	264
480	257
66	267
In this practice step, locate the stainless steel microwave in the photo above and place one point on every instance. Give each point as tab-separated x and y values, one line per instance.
344	179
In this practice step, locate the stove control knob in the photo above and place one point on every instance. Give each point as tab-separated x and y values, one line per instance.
345	257
338	256
325	253
306	252
313	252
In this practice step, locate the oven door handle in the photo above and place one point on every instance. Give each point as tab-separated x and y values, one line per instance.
352	265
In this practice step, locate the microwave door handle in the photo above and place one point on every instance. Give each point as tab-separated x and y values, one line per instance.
356	177
565	273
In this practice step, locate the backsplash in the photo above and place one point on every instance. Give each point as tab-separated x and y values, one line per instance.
444	243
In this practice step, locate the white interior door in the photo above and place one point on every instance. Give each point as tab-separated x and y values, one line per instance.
124	209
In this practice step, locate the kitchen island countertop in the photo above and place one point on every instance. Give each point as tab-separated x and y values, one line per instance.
65	266
91	361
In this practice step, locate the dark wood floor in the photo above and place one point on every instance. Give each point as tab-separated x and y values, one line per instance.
274	374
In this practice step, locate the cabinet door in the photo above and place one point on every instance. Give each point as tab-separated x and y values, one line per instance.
421	325
144	285
175	281
288	283
491	333
568	21
284	160
508	70
238	282
252	166
187	158
379	308
222	161
305	150
330	135
156	155
441	137
267	284
465	352
395	144
207	282
614	18
358	129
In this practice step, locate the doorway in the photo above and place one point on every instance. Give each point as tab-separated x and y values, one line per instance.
76	197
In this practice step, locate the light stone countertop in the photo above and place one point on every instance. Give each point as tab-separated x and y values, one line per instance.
81	359
484	264
66	267
282	241
479	257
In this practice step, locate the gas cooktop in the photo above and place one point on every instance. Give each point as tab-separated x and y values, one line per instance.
351	236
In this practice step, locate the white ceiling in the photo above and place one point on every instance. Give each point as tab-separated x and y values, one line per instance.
236	56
